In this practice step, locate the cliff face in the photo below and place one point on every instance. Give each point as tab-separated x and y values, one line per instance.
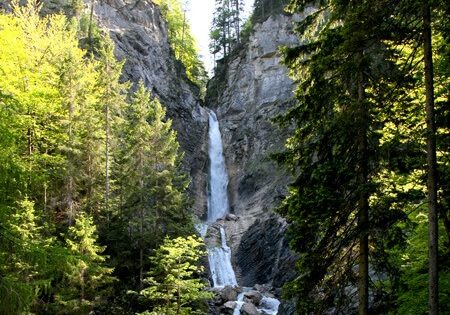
140	36
254	89
257	90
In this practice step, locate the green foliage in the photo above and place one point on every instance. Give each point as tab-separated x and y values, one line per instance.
69	144
84	282
265	8
347	80
225	31
150	184
377	44
29	260
247	30
182	41
413	298
175	286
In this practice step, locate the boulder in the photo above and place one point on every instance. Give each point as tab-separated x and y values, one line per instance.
249	309
253	297
263	288
228	308
229	294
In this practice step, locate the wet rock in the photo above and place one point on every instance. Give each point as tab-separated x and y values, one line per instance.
231	217
249	309
263	254
229	293
228	308
263	288
253	297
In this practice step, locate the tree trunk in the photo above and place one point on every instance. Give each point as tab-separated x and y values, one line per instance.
141	248
70	157
236	21
91	16
107	161
141	220
433	297
228	22
363	203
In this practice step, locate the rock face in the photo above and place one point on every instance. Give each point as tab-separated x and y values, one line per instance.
263	255
257	90
140	36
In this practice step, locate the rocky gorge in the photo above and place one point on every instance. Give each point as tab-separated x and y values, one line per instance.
247	93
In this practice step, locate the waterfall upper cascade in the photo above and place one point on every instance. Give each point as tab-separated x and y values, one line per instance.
219	257
218	205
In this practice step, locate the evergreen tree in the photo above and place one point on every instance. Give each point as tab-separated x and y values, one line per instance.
175	284
152	184
226	17
238	7
87	275
182	41
346	78
112	102
48	96
29	260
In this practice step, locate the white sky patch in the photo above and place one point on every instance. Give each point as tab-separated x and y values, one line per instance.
199	13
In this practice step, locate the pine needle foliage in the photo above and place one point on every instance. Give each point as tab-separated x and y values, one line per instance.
174	283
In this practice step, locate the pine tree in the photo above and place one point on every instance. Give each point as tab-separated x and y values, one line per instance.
29	260
220	30
153	186
112	102
346	79
87	276
182	41
174	280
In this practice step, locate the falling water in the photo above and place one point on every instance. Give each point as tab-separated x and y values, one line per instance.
220	264
219	257
218	183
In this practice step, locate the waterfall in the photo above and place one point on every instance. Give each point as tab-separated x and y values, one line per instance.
219	257
218	183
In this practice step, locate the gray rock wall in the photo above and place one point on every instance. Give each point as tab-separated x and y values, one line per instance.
140	36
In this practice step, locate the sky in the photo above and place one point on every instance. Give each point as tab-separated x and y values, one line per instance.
199	14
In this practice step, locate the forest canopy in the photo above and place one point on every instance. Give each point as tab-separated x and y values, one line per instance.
90	175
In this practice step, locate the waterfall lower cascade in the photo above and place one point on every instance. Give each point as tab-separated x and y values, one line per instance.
219	257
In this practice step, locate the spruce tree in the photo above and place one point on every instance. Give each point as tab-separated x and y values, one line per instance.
87	276
112	102
175	284
345	73
152	184
30	261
